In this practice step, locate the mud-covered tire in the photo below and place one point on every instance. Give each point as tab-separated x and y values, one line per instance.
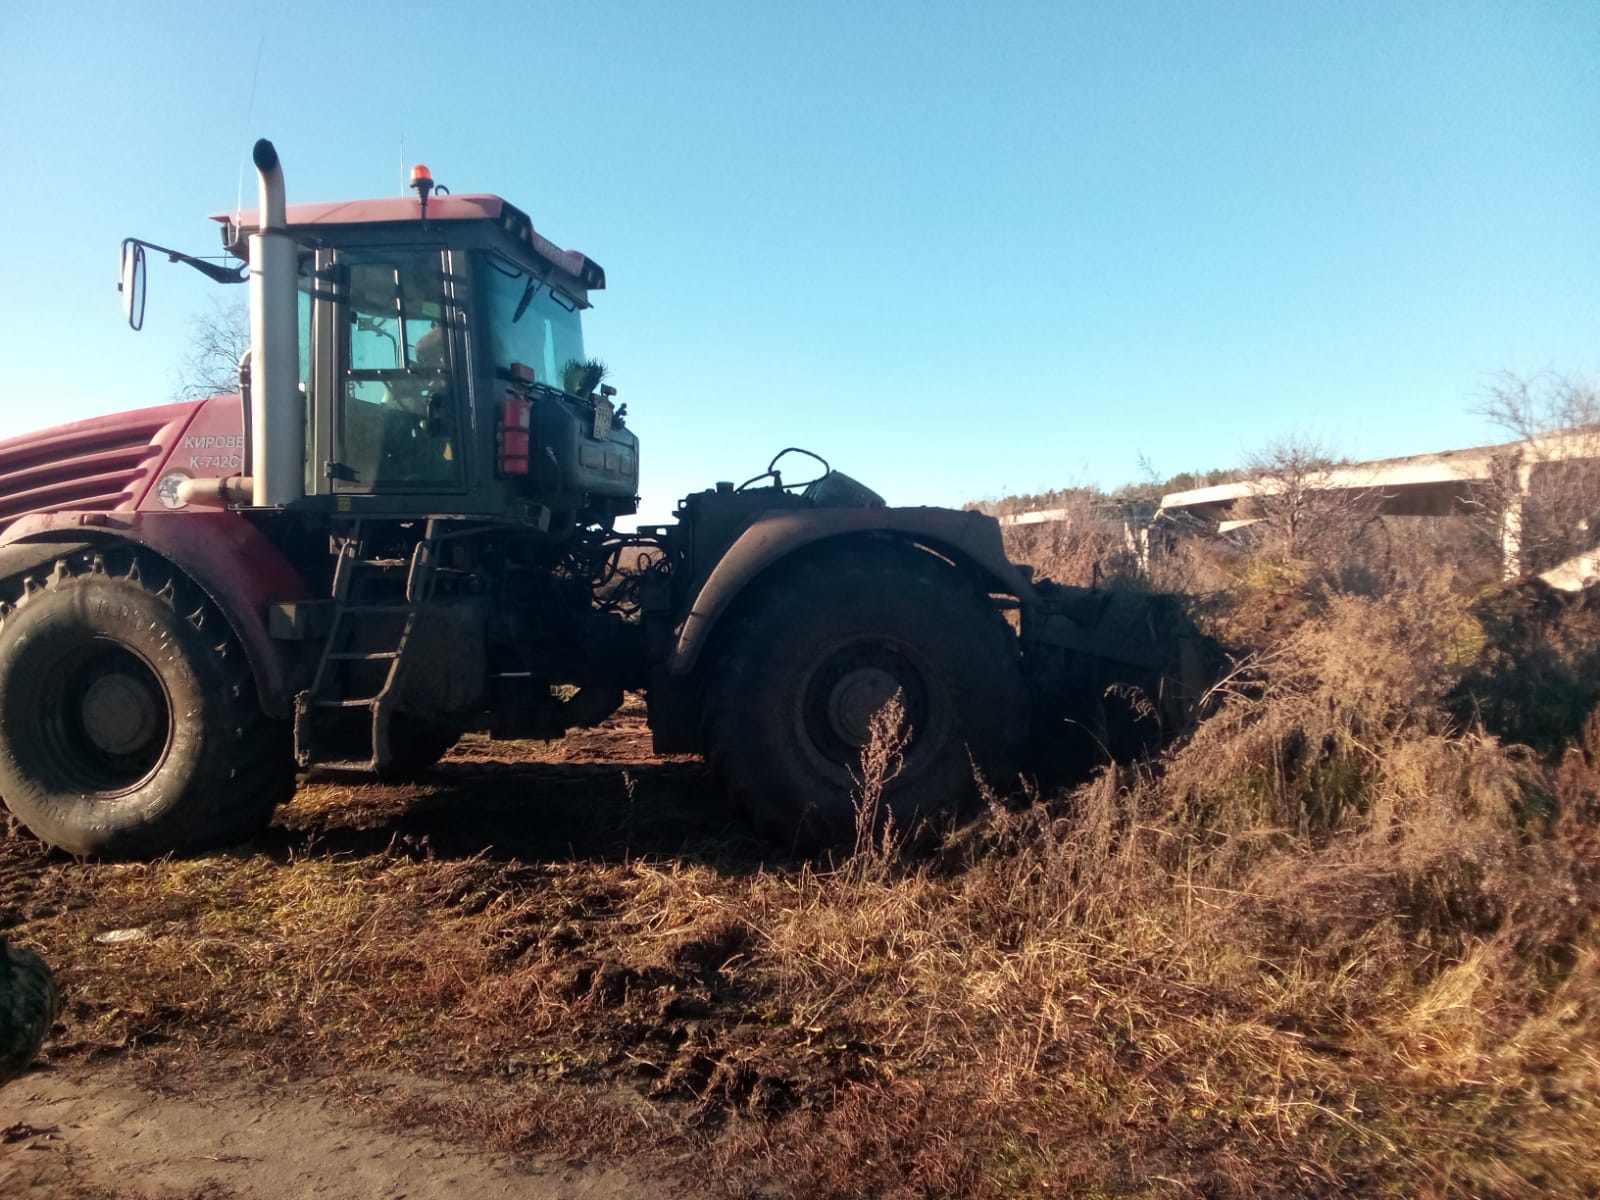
813	650
29	1003
129	725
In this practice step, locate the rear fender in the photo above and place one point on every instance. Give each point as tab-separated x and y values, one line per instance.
969	539
226	556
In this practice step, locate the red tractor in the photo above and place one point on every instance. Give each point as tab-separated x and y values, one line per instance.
402	529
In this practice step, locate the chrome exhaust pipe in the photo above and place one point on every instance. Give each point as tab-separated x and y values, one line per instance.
277	412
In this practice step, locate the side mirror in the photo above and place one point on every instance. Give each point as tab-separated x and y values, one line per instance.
132	283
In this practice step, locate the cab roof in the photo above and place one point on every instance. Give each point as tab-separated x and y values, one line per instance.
398	210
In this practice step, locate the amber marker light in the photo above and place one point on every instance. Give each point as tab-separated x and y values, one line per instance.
422	182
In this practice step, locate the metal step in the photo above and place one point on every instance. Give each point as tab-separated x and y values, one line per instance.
363	655
343	765
366	702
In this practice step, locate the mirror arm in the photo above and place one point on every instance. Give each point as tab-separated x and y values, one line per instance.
210	270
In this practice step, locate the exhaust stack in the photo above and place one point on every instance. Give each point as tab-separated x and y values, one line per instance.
277	413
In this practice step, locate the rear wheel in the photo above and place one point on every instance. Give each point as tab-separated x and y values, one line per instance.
816	651
129	725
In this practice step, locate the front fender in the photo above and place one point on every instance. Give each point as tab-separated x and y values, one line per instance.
229	559
969	539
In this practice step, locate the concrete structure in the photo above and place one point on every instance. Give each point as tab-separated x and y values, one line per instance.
1450	483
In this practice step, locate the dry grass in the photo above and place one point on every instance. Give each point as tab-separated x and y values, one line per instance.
1329	949
1341	943
1089	546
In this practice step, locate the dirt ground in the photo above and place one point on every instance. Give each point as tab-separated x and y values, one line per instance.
139	1094
108	1130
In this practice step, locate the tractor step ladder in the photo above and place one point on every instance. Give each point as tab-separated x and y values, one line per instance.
331	688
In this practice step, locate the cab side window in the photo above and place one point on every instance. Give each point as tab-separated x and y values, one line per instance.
398	419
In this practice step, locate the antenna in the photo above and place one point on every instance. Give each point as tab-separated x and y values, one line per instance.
249	113
402	162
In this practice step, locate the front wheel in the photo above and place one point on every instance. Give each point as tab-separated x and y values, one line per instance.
128	720
815	651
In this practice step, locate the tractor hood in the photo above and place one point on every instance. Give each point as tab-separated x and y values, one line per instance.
115	462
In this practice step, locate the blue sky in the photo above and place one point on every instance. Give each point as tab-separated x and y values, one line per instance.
960	250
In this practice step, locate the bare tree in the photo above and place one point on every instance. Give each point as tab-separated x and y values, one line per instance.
1542	502
1530	407
1304	506
219	336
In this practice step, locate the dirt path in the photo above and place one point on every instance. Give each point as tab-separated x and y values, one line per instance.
92	1132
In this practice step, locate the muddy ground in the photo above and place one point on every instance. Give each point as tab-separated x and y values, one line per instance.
196	1057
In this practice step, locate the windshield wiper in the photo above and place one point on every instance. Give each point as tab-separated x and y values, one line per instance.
528	293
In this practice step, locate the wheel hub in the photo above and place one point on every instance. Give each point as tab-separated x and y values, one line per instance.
103	722
119	714
855	699
849	687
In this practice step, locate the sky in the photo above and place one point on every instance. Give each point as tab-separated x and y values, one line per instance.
960	250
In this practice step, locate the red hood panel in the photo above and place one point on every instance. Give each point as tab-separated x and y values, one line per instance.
99	464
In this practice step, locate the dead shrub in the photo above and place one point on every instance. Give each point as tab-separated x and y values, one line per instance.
1300	737
877	840
1089	544
1534	676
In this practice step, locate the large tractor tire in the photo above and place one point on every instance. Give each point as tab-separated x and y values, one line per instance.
815	651
129	725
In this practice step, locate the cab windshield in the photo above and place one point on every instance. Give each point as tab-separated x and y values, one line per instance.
528	322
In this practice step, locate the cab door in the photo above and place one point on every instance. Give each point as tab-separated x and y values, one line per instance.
394	379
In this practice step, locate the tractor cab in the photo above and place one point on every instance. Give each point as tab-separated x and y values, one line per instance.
442	362
417	356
